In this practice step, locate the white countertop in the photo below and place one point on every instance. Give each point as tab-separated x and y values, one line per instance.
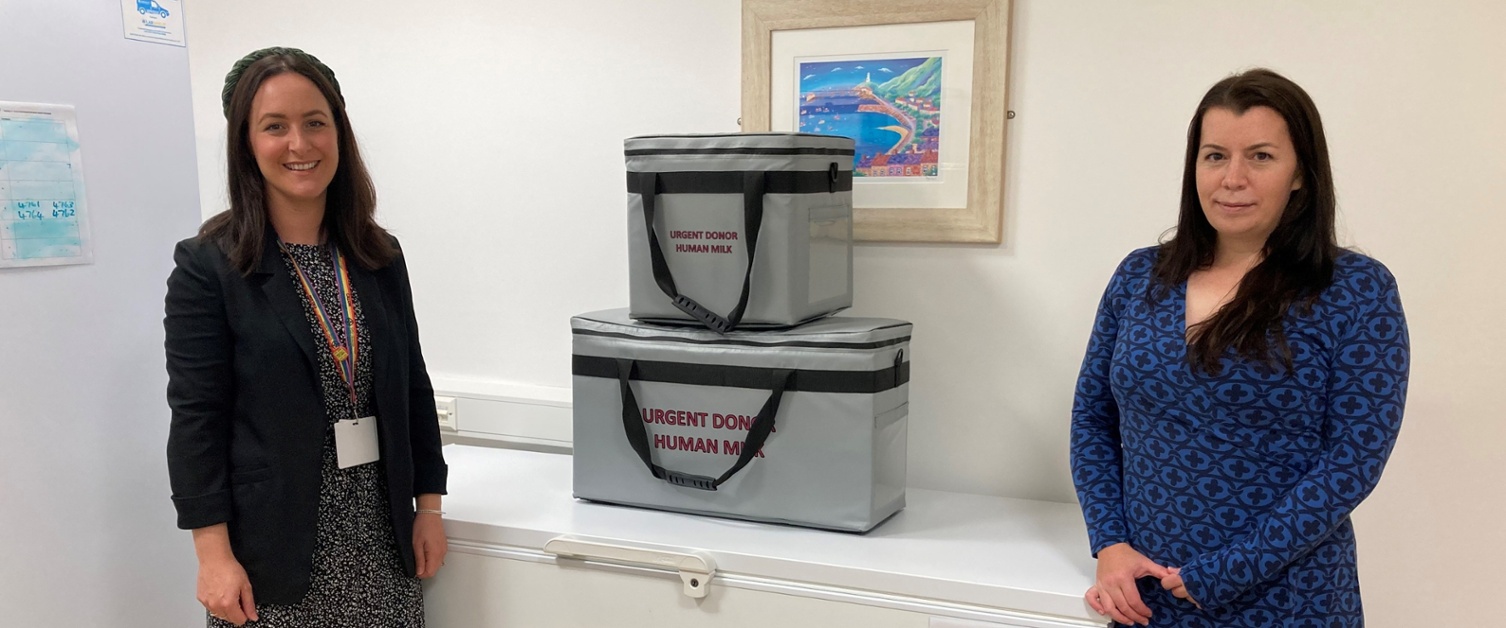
1011	554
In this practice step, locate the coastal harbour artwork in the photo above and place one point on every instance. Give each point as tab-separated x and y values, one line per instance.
890	107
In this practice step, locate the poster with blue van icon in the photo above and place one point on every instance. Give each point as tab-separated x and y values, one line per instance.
156	21
150	7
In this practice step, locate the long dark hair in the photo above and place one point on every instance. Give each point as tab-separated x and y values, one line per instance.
350	204
1299	254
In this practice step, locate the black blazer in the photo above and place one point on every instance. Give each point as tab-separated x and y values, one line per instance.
248	417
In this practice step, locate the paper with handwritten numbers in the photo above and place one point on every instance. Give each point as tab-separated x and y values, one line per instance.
45	219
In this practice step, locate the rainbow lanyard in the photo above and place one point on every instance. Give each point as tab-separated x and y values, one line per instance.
346	359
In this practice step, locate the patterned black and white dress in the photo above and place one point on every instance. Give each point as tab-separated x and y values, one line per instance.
358	579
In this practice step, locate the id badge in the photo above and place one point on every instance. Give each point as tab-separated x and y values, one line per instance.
356	442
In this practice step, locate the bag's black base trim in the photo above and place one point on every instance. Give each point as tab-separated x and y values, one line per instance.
676	322
860	382
829	527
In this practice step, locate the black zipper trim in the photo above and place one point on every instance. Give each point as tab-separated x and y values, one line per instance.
732	181
757	378
691	136
642	152
810	344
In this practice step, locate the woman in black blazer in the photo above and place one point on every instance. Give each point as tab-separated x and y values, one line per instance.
304	451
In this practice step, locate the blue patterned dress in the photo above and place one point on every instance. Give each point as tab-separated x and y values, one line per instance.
1243	480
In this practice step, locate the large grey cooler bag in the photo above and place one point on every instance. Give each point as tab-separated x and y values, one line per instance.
739	229
803	426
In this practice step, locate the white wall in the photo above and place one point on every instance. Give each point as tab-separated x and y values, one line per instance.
88	530
494	132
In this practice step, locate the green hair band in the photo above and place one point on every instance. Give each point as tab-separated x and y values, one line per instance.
240	68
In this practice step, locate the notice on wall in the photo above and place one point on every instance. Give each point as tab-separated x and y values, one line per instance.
46	219
157	21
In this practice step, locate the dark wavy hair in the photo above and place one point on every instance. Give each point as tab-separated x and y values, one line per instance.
1299	254
350	204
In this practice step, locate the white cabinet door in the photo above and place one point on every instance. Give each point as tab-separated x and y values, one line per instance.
493	587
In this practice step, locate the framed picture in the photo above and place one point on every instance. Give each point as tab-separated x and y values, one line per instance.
919	85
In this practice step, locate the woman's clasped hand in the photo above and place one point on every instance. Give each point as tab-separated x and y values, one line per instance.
1115	591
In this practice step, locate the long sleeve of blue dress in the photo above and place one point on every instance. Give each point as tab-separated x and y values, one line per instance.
1096	456
1244	480
1367	386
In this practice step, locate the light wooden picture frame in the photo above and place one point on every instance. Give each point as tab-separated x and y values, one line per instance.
888	212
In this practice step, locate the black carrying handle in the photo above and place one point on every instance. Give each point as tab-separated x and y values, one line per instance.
637	434
753	191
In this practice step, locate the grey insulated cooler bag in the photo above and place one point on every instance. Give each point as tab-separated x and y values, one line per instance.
805	426
751	230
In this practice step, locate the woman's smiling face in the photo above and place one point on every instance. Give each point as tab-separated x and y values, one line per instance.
294	140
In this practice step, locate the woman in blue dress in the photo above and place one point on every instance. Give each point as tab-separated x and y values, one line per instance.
1243	386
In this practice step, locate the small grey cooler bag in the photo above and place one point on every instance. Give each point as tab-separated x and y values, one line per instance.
751	230
805	426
